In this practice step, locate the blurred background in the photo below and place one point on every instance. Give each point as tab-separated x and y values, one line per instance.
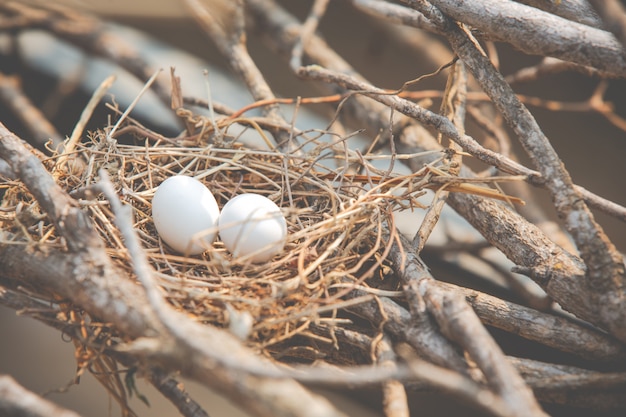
592	149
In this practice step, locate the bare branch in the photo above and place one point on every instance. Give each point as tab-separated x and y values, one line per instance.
613	15
547	329
15	400
227	29
606	272
575	10
538	32
31	117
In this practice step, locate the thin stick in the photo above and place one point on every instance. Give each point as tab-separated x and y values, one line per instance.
132	105
75	137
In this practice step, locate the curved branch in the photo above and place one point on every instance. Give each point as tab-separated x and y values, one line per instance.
15	400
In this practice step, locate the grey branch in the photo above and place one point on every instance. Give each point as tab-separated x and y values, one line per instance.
15	400
604	280
575	10
537	32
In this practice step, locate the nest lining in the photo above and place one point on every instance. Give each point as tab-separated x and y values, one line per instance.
338	228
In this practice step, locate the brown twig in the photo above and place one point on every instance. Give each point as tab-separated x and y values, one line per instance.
453	106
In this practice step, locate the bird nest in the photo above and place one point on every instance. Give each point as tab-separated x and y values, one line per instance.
340	226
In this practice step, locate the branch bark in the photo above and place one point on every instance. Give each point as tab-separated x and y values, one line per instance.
16	400
538	32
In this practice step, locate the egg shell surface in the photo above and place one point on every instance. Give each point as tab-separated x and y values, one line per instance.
252	226
185	214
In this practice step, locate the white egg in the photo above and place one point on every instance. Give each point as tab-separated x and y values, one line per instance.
185	214
253	227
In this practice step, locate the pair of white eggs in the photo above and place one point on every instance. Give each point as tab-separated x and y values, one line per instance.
187	217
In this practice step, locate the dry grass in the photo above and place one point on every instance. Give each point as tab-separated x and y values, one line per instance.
338	227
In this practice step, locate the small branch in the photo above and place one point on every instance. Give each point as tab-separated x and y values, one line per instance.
613	15
71	222
573	386
225	25
31	117
417	330
549	66
457	384
15	400
394	395
442	124
395	13
174	391
308	28
548	329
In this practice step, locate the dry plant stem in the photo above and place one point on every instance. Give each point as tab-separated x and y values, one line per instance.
442	124
230	37
613	14
33	120
455	107
538	32
606	275
549	66
15	400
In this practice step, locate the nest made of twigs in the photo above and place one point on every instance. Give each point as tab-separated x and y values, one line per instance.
338	227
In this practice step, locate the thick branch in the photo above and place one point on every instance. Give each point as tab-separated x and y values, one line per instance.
539	33
575	10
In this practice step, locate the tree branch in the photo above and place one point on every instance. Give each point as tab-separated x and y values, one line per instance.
15	400
606	272
538	32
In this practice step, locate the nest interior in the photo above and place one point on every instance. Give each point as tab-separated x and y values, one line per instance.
340	227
